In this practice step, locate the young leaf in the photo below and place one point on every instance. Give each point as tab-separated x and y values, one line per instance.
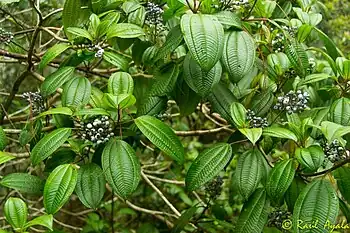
238	114
121	167
254	213
116	60
280	178
125	30
341	174
44	220
56	80
76	92
3	139
279	133
253	134
79	32
207	165
199	81
16	212
59	186
204	37
48	144
162	136
120	83
23	182
90	186
317	202
249	172
4	157
238	54
51	53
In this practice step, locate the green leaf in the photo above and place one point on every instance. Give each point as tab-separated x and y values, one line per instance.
262	103
279	62
303	32
76	92
16	212
184	219
59	186
61	156
280	178
238	54
138	16
121	167
278	132
329	130
44	220
79	32
3	139
254	213
238	114
207	165
340	112
344	209
332	49
56	80
198	80
310	158
97	6
293	192
23	182
120	83
116	60
91	112
125	30
310	209
249	172
298	58
342	175
96	97
166	77
51	53
172	41
229	19
73	14
253	134
204	37
60	110
312	78
162	136
48	144
185	97
4	157
90	186
152	106
221	99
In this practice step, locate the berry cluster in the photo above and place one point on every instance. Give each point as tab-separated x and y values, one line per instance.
214	187
292	102
334	151
290	73
96	130
279	38
277	217
290	30
154	16
36	100
233	5
99	50
5	37
256	122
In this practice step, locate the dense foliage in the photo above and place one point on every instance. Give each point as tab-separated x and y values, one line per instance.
172	116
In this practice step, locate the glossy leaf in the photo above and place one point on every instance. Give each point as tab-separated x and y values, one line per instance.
16	212
52	53
116	60
340	111
120	83
173	40
76	92
310	158
44	220
162	136
278	132
253	134
79	32
204	37
48	144
56	80
72	14
121	167
238	114
23	182
207	165
59	186
125	30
